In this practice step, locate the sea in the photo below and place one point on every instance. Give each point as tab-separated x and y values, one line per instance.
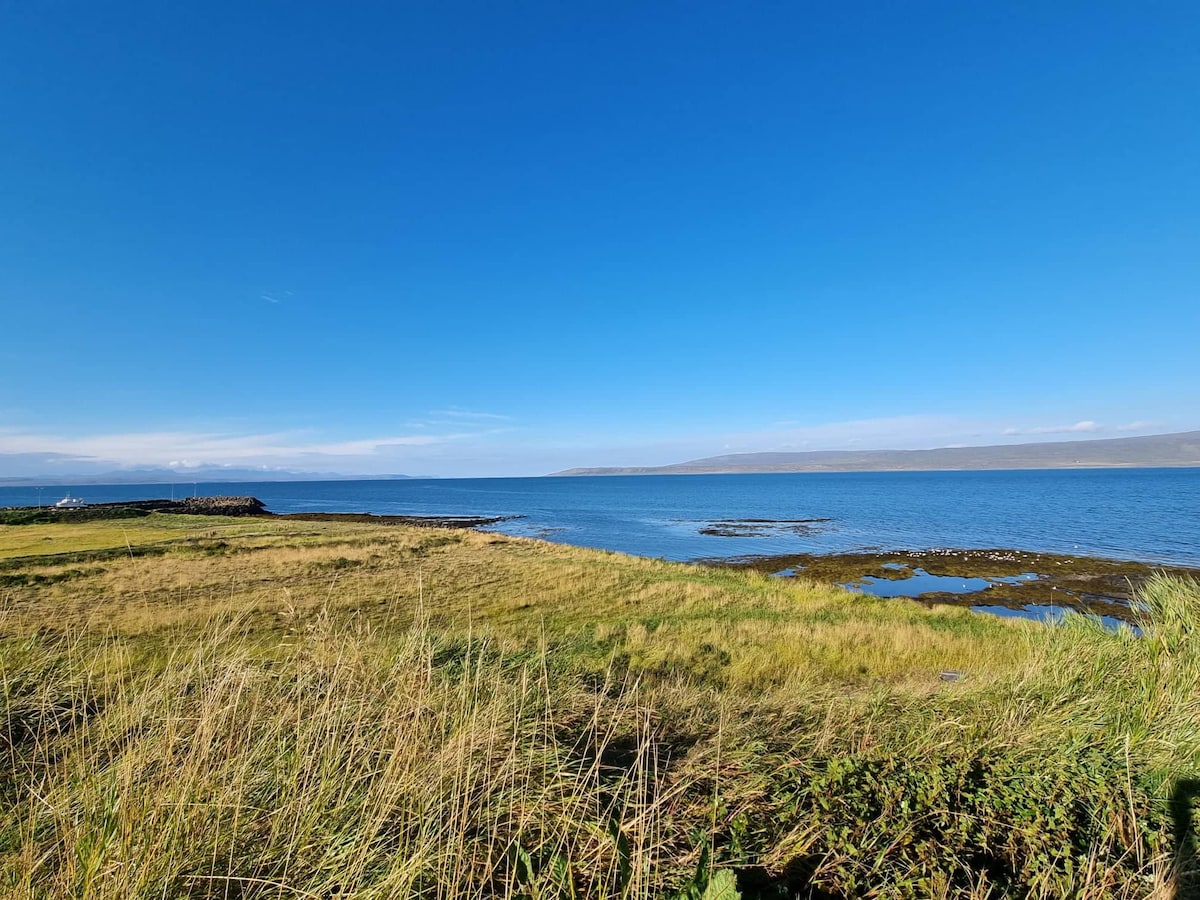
1149	515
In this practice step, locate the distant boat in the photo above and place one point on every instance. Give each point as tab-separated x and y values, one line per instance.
69	502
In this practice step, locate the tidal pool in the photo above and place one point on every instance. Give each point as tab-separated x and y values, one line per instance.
921	582
1022	583
1050	615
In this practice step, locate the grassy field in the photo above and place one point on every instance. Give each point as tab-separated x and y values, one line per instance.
203	707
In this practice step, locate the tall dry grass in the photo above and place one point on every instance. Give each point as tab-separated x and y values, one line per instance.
346	766
386	713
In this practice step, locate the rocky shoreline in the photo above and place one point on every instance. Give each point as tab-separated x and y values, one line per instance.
418	521
1011	579
224	506
1002	579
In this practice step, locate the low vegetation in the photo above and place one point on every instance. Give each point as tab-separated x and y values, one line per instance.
258	708
49	514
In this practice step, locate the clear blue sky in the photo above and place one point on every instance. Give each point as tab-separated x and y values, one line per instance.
464	239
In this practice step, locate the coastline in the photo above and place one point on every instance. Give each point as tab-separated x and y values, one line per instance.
1031	584
1005	581
236	507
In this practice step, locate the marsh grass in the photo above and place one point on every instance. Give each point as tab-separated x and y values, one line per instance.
279	711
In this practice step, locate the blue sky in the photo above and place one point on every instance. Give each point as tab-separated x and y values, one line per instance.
489	239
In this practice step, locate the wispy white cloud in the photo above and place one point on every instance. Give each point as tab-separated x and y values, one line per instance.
1139	426
882	433
372	446
167	448
274	296
1084	427
900	432
455	412
481	444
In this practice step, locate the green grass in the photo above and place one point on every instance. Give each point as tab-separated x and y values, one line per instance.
282	709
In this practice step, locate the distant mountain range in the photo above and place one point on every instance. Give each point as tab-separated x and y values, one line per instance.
1181	449
167	475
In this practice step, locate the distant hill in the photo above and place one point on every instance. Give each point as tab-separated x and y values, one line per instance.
167	475
1181	449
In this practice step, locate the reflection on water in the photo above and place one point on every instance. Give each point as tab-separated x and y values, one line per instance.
921	582
1050	615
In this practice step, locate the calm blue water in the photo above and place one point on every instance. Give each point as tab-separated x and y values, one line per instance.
1143	514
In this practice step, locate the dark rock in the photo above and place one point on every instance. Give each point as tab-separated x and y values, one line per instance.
222	506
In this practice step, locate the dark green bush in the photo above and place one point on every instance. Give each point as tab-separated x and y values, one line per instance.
1021	824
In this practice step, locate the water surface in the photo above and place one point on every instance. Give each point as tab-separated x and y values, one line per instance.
1150	515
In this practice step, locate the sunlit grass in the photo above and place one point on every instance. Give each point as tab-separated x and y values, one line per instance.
292	709
66	537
